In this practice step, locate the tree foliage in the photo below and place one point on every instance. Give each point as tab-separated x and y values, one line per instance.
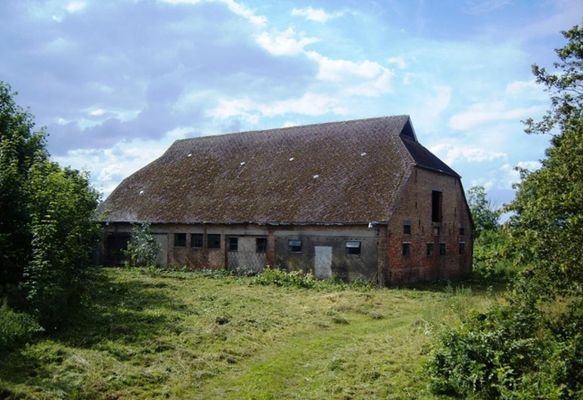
484	216
47	231
533	347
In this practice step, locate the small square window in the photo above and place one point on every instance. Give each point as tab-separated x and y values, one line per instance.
407	229
441	249
180	239
406	249
214	241
260	245
233	244
462	248
462	231
196	240
429	249
353	247
294	246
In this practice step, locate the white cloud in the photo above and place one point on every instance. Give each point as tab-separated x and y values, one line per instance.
452	153
483	113
287	42
315	14
233	6
435	101
311	104
529	90
364	78
75	6
107	167
399	62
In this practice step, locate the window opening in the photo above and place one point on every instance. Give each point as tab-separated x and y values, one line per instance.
233	244
406	249
429	249
294	245
260	245
353	247
214	241
462	248
436	205
196	240
462	231
407	229
180	239
441	249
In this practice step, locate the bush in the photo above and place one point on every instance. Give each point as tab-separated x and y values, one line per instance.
15	329
142	249
278	277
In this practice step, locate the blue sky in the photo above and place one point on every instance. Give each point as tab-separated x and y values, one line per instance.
116	82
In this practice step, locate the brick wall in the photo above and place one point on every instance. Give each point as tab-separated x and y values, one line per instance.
415	209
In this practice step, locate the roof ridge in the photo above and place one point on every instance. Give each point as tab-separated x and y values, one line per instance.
285	128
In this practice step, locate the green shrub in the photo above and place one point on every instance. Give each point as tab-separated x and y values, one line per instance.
278	277
15	329
509	353
143	249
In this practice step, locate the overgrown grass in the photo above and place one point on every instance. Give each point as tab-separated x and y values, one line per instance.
146	334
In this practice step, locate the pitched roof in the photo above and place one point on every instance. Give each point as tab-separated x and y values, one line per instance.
339	172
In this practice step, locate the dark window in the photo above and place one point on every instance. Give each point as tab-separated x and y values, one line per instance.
233	244
406	249
462	248
436	200
214	241
407	229
441	249
260	245
295	246
429	250
180	239
353	247
462	231
196	240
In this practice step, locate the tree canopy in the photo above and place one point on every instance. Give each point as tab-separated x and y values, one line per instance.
47	231
533	346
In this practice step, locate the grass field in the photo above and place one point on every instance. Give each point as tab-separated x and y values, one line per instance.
144	334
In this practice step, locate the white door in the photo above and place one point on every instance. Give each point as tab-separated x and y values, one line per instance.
323	262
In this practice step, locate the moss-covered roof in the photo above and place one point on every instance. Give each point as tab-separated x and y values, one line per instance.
334	173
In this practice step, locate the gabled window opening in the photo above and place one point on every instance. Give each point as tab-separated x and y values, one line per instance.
441	249
436	206
429	250
462	248
406	249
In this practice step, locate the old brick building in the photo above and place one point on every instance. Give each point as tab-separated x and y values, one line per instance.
357	199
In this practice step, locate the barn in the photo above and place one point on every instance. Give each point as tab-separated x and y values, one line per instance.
357	200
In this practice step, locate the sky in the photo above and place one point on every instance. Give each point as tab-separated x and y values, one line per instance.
116	82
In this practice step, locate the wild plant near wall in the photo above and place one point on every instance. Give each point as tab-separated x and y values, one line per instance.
142	249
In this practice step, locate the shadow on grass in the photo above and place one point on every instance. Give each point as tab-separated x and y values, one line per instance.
112	311
125	311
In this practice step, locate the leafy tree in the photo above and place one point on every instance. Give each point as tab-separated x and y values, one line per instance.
46	220
20	148
142	249
533	347
485	218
